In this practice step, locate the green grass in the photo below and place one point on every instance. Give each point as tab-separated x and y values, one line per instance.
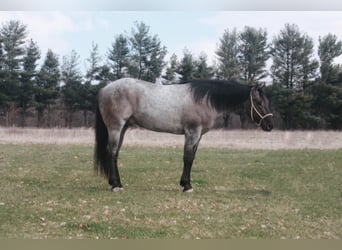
50	191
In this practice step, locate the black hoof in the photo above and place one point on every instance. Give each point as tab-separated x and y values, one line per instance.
187	188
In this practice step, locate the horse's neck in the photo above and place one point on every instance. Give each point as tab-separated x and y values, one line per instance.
222	119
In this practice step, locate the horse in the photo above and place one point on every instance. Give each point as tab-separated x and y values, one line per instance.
191	108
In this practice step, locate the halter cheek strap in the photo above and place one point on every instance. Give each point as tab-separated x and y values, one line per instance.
262	117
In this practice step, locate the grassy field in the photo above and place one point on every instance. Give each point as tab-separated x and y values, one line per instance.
51	191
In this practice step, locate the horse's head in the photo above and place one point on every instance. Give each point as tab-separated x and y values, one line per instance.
259	109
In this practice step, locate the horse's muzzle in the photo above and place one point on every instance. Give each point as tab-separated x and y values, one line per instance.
267	126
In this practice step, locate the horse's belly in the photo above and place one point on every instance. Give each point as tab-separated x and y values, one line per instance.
160	122
162	110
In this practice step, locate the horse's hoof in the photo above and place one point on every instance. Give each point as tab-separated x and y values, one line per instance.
189	190
117	189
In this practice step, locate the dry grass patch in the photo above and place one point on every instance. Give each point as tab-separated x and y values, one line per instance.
233	139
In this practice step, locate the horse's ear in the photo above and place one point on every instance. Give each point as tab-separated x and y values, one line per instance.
258	86
261	85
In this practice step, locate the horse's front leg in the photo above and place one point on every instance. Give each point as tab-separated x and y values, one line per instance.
192	139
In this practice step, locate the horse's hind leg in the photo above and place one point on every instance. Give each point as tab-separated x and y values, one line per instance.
115	141
192	139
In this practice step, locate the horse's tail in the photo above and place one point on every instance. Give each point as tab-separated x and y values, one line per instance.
102	156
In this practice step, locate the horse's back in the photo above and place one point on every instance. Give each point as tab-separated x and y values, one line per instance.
139	92
152	106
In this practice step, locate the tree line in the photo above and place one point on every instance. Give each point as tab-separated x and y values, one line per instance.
306	89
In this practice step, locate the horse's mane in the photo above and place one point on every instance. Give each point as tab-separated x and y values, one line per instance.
221	95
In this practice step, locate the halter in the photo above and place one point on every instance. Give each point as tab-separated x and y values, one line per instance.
262	117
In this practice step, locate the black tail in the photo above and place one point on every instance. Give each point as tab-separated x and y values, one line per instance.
102	157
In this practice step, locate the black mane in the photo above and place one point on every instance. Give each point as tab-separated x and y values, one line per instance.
221	95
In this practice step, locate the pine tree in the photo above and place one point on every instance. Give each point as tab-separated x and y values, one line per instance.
94	61
227	53
170	74
104	76
253	54
309	64
293	71
47	86
28	78
202	69
91	85
87	95
147	54
72	79
294	108
118	56
327	104
186	66
3	95
13	35
329	48
156	63
293	59
327	93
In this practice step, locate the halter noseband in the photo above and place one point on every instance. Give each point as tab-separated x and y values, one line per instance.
262	117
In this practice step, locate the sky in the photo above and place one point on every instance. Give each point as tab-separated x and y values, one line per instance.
197	30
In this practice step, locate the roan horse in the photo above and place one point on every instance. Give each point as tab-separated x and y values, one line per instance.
191	108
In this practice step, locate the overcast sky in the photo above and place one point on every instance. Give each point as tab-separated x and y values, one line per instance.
198	30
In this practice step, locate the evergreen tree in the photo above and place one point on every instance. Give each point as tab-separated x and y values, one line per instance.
28	78
94	61
104	76
327	104
72	79
118	56
170	74
91	85
47	86
97	75
293	70
293	63
202	70
87	95
2	58
227	53
186	66
327	93
13	35
309	65
156	62
147	54
253	54
3	95
294	108
329	48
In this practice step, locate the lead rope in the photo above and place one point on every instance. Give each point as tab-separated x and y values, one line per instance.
260	115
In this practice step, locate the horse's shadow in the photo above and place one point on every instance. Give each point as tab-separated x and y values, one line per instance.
251	193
